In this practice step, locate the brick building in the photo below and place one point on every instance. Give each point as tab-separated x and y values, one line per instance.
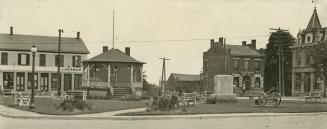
304	78
244	62
16	63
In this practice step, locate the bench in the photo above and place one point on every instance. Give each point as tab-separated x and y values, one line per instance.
189	98
313	95
76	94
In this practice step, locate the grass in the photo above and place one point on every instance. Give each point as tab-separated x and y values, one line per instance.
46	106
243	106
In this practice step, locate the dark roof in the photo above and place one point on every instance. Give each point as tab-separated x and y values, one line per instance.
314	22
185	77
240	50
114	55
43	43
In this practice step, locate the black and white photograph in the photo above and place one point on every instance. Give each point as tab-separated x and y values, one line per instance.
163	64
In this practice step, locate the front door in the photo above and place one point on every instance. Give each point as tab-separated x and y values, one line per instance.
44	82
20	81
67	82
247	82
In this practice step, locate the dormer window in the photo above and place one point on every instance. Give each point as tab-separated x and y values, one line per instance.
308	39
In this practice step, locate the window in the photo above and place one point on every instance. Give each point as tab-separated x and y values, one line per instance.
59	61
42	59
44	82
4	58
8	80
307	58
235	64
23	59
76	61
257	65
30	79
54	81
298	58
77	81
297	81
246	64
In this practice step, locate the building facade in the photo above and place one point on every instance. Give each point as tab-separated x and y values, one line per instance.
113	74
184	83
244	62
16	63
304	79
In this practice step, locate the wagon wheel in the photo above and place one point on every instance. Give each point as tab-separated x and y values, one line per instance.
276	98
262	100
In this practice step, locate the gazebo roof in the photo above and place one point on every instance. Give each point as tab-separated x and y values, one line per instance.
113	56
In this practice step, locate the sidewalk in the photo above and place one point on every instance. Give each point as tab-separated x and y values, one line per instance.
19	114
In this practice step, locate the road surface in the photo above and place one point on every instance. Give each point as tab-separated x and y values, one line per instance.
282	122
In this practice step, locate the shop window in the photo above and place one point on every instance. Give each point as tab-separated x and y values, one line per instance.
30	79
8	80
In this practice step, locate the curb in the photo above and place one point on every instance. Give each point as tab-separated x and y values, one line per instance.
165	117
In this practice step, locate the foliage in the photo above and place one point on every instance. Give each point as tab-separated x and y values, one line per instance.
130	97
165	103
71	104
211	100
285	40
319	56
173	101
149	89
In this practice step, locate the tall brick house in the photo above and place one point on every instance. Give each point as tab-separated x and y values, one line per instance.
304	78
16	63
244	62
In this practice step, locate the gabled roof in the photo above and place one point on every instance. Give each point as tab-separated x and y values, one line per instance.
240	50
114	55
43	43
314	22
185	77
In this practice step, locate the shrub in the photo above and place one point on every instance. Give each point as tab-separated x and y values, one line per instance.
71	104
212	100
163	103
130	98
173	101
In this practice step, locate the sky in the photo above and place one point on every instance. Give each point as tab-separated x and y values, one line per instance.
176	29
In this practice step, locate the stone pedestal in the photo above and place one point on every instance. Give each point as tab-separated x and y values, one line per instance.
223	85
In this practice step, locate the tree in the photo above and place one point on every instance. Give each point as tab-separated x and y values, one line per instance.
319	56
271	72
149	89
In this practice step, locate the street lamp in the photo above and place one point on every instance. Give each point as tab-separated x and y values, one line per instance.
33	50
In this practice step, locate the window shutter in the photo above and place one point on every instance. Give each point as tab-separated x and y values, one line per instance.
27	59
74	62
19	59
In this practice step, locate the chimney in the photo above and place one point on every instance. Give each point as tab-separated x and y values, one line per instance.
221	39
78	35
243	43
128	51
254	44
11	30
104	49
212	42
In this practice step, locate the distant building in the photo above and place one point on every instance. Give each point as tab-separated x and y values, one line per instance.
113	74
304	78
184	83
16	63
244	62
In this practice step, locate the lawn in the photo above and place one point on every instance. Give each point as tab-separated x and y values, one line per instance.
46	106
243	106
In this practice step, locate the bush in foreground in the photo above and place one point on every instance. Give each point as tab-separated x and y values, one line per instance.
72	104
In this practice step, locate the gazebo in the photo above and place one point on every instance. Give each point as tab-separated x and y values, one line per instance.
113	74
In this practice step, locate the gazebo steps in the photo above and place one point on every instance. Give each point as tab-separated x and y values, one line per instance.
120	92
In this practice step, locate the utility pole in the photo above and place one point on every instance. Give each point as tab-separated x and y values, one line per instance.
59	63
163	83
113	29
280	40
